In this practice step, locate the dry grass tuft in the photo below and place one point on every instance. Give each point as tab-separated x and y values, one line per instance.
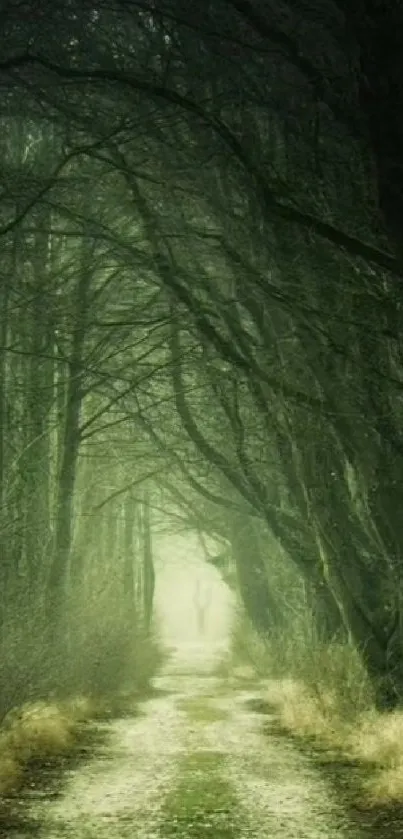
39	731
378	739
373	738
44	731
100	672
386	787
330	700
306	714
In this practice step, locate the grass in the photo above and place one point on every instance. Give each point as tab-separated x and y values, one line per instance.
372	739
378	742
60	725
42	735
37	733
327	701
202	804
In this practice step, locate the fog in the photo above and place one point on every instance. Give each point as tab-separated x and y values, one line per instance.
192	603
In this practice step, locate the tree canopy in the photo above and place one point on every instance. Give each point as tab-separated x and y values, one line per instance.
201	298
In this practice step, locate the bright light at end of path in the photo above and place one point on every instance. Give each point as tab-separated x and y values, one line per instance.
193	604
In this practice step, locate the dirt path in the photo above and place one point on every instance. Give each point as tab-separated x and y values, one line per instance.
196	764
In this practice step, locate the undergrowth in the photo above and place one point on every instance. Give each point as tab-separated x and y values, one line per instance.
48	698
321	692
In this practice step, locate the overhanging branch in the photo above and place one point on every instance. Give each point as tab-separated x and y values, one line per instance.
309	223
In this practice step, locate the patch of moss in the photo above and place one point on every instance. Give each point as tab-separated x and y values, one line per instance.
203	804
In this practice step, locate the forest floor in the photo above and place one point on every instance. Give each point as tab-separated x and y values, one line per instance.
199	761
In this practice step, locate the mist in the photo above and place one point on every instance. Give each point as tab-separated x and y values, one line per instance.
185	580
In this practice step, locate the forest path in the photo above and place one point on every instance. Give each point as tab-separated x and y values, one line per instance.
196	764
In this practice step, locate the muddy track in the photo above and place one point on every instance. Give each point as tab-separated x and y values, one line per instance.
197	762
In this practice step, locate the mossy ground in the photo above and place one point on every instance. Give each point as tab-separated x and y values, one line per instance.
202	804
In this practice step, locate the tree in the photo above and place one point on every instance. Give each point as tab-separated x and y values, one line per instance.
249	182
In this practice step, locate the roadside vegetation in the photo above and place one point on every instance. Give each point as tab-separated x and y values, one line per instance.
321	694
56	726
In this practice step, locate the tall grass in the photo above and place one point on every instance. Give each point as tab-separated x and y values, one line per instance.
321	692
38	732
49	691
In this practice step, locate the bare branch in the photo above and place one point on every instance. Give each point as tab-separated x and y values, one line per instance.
272	206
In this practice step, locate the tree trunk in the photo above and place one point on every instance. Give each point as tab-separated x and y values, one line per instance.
58	575
129	547
372	640
252	575
148	565
36	461
325	611
5	511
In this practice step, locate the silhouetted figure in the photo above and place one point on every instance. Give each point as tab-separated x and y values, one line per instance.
201	601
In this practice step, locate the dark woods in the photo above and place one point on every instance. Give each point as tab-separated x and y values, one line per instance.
201	304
